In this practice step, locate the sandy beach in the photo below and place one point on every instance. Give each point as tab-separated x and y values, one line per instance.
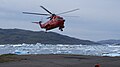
61	61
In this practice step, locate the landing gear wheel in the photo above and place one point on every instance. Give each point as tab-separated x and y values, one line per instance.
61	29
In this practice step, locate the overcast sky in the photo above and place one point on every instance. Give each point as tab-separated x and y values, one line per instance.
98	19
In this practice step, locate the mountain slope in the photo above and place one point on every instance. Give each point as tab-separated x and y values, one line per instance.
18	36
110	41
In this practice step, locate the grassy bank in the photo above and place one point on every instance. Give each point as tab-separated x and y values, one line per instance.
9	58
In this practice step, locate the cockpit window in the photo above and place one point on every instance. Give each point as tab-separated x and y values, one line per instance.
59	18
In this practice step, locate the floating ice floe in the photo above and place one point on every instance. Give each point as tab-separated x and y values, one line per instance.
111	54
19	52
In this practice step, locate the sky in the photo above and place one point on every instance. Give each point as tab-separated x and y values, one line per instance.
96	20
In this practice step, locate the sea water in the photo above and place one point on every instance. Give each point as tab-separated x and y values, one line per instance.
96	50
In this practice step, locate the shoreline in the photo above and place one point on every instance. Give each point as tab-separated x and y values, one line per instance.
61	60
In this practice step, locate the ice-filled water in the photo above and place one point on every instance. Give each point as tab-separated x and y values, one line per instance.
99	50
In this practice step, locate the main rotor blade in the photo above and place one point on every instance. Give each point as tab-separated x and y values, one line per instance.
68	11
35	13
70	16
46	10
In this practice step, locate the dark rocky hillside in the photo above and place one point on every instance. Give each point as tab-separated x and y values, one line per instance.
18	36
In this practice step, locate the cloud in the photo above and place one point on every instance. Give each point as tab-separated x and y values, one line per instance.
99	19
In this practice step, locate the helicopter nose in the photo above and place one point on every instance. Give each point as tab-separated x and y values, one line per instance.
63	20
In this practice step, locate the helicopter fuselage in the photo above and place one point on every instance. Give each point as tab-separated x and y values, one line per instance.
54	22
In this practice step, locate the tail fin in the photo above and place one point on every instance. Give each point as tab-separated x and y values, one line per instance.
38	23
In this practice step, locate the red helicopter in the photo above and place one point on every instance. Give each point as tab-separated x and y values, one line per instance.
54	22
